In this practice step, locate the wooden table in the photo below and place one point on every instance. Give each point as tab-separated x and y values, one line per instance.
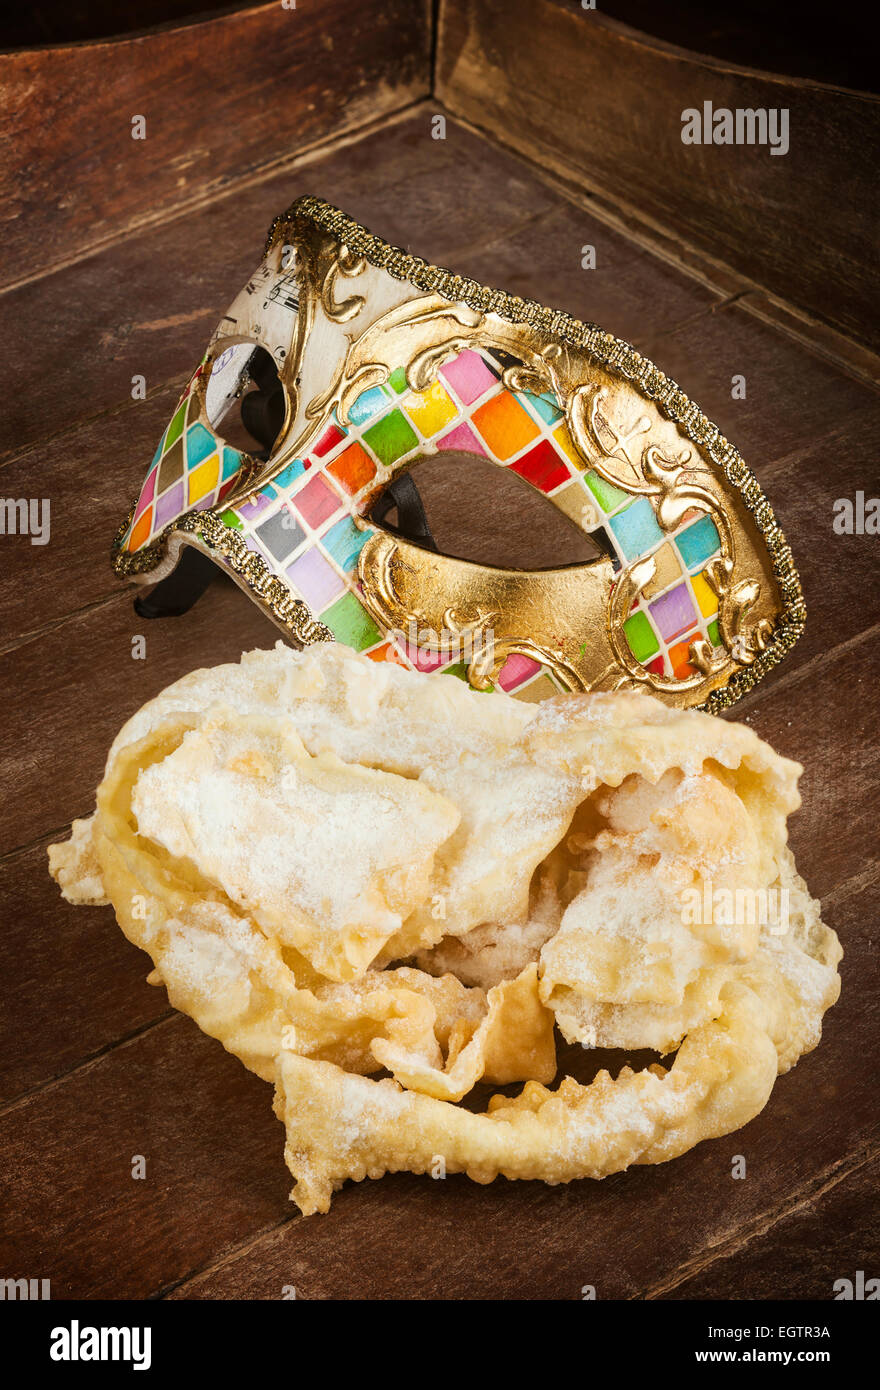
97	1069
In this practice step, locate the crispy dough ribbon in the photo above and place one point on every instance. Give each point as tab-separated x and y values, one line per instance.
543	852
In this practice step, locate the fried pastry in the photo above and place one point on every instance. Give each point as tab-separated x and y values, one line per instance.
341	868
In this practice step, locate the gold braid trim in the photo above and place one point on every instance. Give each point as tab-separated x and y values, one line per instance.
223	541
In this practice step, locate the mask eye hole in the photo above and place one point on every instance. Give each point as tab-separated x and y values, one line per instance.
464	506
245	401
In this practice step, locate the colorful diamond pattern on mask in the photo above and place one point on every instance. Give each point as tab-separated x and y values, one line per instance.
191	469
307	523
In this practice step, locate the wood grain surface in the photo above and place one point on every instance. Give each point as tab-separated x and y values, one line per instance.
221	102
96	1069
601	104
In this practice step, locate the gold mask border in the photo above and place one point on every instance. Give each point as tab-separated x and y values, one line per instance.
206	530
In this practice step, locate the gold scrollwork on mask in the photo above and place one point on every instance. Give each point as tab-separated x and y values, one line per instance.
678	488
340	260
571	620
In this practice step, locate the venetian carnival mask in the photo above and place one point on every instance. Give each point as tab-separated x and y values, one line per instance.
351	361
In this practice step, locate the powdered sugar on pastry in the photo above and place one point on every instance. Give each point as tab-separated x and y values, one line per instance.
75	866
327	856
339	866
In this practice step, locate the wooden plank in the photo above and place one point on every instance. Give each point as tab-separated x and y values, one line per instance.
73	1211
630	292
90	477
828	1239
221	99
825	716
838	572
66	696
601	105
819	337
76	986
55	21
793	399
762	36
